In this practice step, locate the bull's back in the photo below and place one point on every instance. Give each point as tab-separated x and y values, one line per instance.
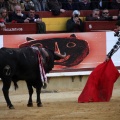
27	66
23	62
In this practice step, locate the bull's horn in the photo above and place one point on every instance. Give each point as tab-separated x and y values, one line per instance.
60	55
64	55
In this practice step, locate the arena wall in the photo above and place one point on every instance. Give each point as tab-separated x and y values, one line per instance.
57	84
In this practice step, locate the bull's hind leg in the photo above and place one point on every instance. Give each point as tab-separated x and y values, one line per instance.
38	91
30	90
6	86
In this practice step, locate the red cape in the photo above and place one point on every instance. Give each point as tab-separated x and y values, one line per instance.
100	83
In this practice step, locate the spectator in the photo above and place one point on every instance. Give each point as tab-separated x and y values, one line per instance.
3	17
105	15
13	3
27	4
2	24
119	12
5	4
84	5
74	24
18	16
55	6
95	16
115	4
35	18
119	15
100	4
40	5
70	5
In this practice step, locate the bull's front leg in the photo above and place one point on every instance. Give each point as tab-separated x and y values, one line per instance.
5	89
39	103
30	90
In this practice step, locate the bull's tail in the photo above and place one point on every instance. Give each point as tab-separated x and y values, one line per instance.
15	85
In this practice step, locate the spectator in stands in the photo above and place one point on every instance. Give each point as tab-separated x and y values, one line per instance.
70	5
115	4
55	6
17	16
40	5
13	3
100	4
2	24
35	18
3	17
4	3
95	16
119	15
75	24
27	4
119	12
106	16
85	5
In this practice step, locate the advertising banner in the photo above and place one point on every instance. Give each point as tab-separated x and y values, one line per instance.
84	50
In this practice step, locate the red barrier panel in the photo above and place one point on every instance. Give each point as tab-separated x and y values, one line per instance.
31	28
94	26
19	28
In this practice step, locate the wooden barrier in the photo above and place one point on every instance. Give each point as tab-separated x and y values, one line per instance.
19	28
56	25
94	26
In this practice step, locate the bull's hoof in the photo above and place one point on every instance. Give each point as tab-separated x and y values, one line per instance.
44	86
39	105
11	107
30	104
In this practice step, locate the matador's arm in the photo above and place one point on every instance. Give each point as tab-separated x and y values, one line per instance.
114	49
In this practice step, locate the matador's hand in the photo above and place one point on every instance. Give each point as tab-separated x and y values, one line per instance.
107	59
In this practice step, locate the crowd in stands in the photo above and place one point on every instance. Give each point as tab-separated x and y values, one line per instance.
56	7
62	5
17	16
104	16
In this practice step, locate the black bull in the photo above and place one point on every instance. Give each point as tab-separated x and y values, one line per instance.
22	64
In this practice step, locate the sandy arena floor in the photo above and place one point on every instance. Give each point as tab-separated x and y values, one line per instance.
61	105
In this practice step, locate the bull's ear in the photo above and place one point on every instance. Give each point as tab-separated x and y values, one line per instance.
29	39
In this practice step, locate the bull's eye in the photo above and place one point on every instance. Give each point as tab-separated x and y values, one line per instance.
71	44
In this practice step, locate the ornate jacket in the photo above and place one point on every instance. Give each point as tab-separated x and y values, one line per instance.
114	49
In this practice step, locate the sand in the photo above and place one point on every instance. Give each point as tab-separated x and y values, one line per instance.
60	105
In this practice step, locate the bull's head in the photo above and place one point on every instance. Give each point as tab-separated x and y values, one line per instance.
76	50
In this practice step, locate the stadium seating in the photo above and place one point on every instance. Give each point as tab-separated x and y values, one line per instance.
58	23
